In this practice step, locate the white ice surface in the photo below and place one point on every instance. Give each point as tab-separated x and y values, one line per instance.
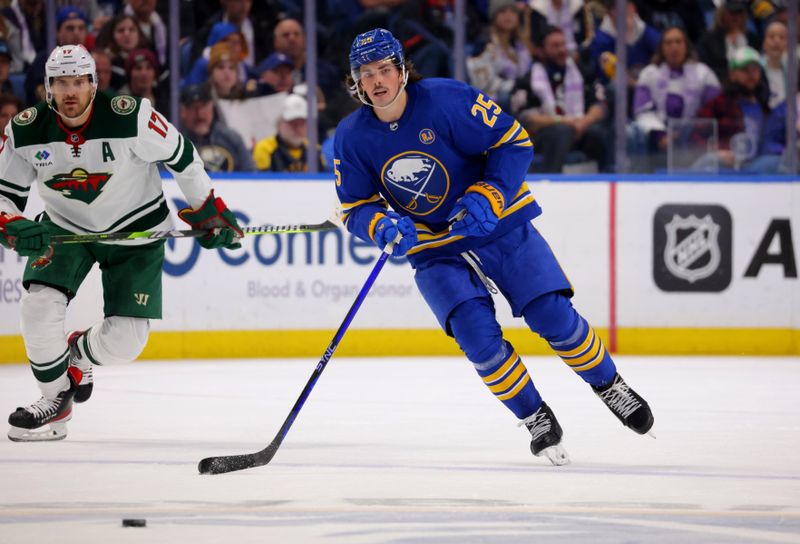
409	451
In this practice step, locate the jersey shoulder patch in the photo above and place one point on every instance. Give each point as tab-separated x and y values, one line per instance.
25	117
124	104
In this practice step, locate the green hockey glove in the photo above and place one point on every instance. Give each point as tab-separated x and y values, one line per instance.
25	236
214	215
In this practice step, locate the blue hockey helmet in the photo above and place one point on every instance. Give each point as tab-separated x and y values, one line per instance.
376	44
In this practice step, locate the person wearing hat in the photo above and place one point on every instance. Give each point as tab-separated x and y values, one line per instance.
141	72
224	74
221	33
70	29
286	150
741	113
275	75
728	34
220	147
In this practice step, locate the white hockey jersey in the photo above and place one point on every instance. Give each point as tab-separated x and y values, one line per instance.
102	177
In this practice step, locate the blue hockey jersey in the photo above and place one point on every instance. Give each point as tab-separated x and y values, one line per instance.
449	137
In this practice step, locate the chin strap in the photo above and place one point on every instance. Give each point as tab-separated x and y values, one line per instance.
67	117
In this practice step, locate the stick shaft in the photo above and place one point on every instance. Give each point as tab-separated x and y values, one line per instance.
230	463
192	233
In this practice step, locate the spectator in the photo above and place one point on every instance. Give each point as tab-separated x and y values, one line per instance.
674	86
221	148
120	36
774	60
11	34
223	68
221	33
286	151
151	25
741	113
563	111
102	62
641	40
70	30
717	46
28	18
289	39
571	16
506	57
275	75
10	105
5	69
141	69
254	26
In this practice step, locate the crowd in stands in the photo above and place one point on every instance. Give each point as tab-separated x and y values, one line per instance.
707	79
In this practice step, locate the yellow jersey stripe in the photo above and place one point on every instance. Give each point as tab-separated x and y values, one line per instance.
516	389
580	349
596	361
590	354
351	205
500	372
508	135
505	385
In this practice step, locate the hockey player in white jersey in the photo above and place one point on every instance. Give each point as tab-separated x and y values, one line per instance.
94	160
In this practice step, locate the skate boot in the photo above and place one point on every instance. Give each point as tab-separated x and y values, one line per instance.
83	364
546	433
26	422
625	403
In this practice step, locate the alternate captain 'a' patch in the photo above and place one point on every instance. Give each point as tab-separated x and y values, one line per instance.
25	117
123	104
79	184
417	181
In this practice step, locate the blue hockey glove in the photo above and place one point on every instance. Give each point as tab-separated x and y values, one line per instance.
387	228
214	215
25	236
478	211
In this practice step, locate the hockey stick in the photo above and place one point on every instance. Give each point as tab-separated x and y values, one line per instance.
193	233
230	463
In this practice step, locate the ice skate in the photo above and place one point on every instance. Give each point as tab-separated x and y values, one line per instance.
546	433
52	414
625	403
83	364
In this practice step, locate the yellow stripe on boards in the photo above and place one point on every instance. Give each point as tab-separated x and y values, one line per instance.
433	342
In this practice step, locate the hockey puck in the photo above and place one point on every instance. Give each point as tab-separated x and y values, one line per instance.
134	523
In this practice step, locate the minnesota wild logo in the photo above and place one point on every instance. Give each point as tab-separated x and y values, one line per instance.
79	184
25	117
123	104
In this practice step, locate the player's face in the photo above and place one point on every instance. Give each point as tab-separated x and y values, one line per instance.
381	80
71	94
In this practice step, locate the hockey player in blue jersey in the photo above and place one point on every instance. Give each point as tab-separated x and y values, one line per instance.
451	166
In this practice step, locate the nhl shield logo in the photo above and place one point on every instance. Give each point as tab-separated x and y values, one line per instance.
698	243
692	247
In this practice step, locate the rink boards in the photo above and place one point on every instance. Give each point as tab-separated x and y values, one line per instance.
697	265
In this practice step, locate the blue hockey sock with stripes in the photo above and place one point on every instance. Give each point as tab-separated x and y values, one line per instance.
507	378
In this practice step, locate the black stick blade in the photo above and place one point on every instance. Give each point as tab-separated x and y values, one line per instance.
229	463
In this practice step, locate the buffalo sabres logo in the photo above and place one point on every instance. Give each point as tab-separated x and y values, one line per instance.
692	251
426	136
79	184
418	182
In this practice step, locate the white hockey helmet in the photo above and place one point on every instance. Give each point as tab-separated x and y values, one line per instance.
69	60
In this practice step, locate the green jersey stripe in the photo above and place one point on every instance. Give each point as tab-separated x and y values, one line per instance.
18	201
19	189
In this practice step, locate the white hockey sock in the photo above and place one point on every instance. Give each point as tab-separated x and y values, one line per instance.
117	340
42	313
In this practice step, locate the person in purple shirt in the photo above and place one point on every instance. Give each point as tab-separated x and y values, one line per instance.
673	87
